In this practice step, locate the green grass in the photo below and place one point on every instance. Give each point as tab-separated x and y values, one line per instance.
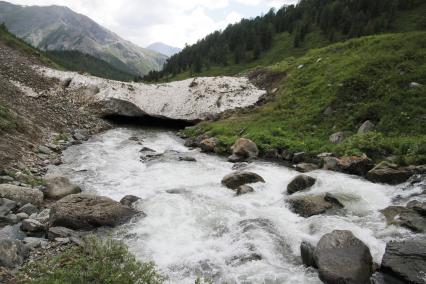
361	79
99	262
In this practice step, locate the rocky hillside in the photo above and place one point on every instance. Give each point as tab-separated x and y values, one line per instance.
59	28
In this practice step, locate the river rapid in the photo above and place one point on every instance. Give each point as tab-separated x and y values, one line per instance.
195	227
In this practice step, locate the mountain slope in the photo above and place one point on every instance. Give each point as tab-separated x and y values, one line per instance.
164	48
337	88
59	28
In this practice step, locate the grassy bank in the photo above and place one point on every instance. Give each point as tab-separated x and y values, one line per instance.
362	79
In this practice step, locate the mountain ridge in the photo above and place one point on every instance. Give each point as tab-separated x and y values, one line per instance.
164	48
60	28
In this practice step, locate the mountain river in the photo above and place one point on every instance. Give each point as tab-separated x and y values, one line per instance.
195	227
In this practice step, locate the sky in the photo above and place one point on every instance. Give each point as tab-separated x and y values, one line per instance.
174	22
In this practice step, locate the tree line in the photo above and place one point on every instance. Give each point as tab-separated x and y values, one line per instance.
248	39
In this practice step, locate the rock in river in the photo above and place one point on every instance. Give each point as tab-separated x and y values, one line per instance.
299	183
310	205
406	260
58	187
237	179
85	211
341	258
245	148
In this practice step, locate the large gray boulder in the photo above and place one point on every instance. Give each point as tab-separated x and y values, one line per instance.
389	174
86	211
299	183
406	260
58	187
237	179
12	253
22	195
245	148
310	205
341	258
406	217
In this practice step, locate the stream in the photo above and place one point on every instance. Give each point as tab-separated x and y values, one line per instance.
195	227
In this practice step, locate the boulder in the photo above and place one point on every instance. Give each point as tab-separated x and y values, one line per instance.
306	167
32	226
237	179
299	183
307	253
244	189
128	200
28	209
339	137
342	258
22	195
355	165
32	242
310	205
12	253
22	216
185	158
418	206
406	260
385	173
236	159
405	217
366	127
209	145
240	166
245	148
58	187
86	211
6	206
298	158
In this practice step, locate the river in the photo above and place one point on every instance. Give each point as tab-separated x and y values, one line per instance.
196	227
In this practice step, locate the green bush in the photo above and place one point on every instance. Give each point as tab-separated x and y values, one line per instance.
99	262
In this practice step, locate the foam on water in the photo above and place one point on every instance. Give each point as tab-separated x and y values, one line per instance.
202	229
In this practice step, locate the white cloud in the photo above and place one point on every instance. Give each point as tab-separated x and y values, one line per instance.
170	21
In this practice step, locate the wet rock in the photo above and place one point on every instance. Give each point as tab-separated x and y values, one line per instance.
187	159
85	211
22	195
310	205
147	156
306	167
176	191
240	166
405	217
388	173
298	157
383	278
28	209
236	159
245	148
128	200
22	216
355	165
209	145
406	260
307	253
418	206
58	187
339	137
299	183
366	127
342	258
236	179
12	253
244	189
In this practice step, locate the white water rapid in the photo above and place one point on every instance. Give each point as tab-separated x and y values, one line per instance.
195	227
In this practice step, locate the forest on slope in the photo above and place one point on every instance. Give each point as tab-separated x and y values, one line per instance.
292	30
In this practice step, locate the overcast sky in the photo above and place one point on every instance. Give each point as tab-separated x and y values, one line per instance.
174	22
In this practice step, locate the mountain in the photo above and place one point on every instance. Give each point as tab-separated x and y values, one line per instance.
164	48
60	28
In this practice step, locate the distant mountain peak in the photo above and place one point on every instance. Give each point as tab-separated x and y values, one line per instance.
60	28
164	48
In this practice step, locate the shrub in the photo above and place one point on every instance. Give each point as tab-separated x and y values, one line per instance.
99	262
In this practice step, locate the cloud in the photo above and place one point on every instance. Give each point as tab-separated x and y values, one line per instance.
170	21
